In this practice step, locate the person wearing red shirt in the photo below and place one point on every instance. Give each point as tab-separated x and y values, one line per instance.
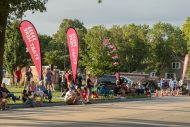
18	76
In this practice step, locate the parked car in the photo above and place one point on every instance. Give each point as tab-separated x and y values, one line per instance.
110	81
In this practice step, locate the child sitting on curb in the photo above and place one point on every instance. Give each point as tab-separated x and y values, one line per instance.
29	98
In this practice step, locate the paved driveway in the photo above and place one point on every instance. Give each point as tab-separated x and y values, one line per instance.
157	112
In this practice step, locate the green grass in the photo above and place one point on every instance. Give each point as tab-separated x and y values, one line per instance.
18	92
58	99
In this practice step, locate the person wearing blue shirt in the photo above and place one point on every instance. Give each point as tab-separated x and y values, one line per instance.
162	83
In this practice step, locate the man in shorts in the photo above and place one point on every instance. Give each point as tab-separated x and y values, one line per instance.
18	76
48	78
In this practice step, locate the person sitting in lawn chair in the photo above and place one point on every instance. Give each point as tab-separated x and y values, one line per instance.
47	93
71	97
84	93
8	93
79	94
30	99
3	101
24	96
103	90
31	87
95	88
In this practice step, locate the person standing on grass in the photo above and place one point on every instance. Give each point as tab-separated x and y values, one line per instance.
64	85
53	77
89	86
69	80
48	78
79	80
18	76
66	77
28	75
96	84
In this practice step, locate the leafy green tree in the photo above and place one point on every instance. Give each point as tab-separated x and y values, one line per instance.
15	49
56	57
55	50
45	44
116	35
59	38
167	44
15	8
97	60
133	47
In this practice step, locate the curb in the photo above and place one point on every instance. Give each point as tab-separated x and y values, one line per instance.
119	100
17	106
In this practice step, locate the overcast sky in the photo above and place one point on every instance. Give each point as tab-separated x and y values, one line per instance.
109	12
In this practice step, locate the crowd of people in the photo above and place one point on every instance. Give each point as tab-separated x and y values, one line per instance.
173	84
146	86
73	91
33	94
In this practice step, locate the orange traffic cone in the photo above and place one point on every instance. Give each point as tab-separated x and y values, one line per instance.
156	94
178	93
172	93
166	92
162	92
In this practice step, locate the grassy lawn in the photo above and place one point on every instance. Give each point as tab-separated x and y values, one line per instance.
18	92
57	96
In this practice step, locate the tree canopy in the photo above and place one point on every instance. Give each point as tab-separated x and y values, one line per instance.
167	43
59	41
15	9
15	49
139	47
96	59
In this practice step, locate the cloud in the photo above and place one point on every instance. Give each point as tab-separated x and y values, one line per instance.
110	12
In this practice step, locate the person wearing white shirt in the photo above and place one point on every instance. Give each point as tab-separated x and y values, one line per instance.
70	97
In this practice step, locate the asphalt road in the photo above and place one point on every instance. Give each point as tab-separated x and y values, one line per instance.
155	112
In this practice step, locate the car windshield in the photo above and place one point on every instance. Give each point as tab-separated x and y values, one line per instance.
106	78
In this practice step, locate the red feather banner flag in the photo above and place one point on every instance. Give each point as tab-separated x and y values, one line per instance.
72	40
112	48
185	66
30	37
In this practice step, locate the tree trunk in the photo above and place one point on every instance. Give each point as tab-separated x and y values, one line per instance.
4	7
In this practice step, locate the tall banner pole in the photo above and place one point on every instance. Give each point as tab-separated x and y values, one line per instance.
30	37
115	56
185	66
72	40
